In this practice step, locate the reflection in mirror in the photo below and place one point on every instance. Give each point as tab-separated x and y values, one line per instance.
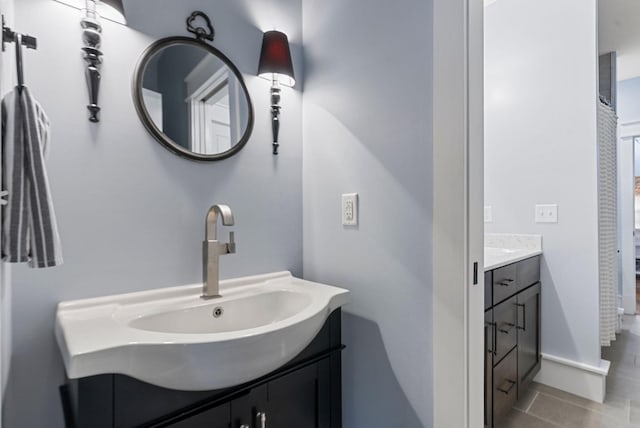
195	99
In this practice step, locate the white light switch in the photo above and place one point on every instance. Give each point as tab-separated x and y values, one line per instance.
488	214
547	213
350	209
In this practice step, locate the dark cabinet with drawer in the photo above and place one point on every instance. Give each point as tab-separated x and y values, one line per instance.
512	335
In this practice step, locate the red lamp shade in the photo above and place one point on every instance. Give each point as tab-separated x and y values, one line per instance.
275	56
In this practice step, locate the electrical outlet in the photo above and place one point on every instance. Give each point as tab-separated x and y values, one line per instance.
546	213
350	209
488	214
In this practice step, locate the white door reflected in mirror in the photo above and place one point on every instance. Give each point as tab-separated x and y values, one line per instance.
213	114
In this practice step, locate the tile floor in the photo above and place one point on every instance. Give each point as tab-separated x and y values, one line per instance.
544	407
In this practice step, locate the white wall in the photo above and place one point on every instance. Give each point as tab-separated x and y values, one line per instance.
540	148
131	214
367	129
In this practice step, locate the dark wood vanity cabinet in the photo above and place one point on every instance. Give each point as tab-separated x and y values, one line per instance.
304	393
512	335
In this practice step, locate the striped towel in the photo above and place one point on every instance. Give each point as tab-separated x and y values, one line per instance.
29	230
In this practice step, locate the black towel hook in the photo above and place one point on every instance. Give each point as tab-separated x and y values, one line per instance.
19	61
10	36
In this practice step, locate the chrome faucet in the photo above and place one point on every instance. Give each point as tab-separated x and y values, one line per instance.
212	249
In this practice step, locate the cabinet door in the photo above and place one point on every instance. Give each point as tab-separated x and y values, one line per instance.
529	355
245	409
293	400
218	417
489	345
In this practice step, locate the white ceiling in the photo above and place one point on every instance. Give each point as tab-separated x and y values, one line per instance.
619	31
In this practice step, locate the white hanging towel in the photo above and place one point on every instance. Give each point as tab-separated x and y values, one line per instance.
29	229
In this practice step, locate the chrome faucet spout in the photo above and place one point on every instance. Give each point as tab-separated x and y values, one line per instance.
212	249
212	219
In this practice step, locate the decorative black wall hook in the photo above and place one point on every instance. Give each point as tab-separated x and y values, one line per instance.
9	36
200	33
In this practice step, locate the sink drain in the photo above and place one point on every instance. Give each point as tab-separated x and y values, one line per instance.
217	312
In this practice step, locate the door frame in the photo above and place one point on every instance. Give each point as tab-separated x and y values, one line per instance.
7	80
627	133
458	226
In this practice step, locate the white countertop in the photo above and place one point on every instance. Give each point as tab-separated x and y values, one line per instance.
504	249
498	257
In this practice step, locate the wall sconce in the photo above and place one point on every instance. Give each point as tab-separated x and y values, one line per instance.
275	63
92	37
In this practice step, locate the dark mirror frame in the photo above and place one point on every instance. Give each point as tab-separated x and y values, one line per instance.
168	143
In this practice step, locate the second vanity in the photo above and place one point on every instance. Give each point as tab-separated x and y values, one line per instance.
512	321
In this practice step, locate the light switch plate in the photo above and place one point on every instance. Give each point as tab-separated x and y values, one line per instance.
350	209
547	213
488	214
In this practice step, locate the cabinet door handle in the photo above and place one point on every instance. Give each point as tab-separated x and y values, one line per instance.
506	282
508	389
262	419
524	316
507	330
244	426
495	338
491	349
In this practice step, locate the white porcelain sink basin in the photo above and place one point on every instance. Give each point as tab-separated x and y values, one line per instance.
171	338
242	313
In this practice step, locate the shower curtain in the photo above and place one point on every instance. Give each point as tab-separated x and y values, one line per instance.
607	222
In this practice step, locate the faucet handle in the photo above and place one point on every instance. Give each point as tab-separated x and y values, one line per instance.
231	246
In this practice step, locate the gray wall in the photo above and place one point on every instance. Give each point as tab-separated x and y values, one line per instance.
540	148
367	129
131	214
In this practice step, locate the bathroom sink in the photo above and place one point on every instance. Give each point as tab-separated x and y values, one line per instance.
172	338
234	315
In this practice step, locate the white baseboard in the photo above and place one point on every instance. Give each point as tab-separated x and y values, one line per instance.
580	379
629	304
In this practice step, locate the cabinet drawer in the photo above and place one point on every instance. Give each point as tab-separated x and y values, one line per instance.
488	287
504	283
505	387
506	335
528	272
218	417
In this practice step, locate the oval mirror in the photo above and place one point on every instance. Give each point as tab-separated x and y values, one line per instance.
192	99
